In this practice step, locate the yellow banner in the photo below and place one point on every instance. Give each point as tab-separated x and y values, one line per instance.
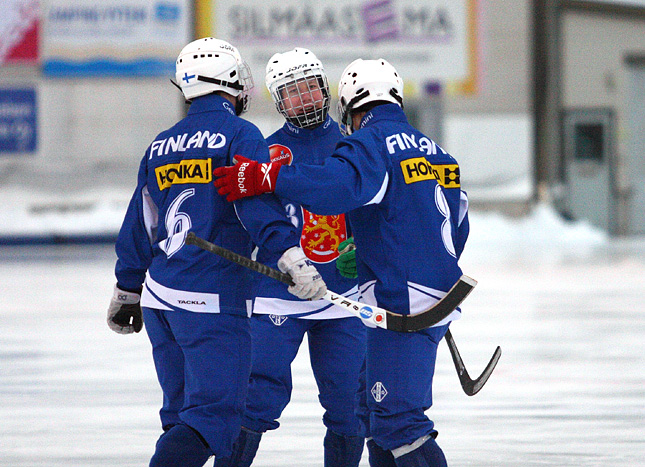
419	169
186	171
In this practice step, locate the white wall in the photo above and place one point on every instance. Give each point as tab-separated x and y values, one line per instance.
93	132
495	154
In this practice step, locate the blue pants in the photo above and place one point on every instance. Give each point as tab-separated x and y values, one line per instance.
396	385
336	351
203	362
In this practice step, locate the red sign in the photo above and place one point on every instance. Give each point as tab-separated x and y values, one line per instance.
19	30
321	236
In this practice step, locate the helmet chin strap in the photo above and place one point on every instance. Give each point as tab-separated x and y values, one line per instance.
180	90
240	102
239	105
233	85
175	84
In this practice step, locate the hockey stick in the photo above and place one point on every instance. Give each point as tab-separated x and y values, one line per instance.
372	316
470	386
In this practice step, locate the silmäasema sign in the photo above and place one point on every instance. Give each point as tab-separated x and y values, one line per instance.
426	40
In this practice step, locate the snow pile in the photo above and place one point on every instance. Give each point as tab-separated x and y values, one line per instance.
543	227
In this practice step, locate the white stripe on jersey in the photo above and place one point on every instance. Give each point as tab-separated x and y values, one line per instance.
378	197
150	214
197	302
278	306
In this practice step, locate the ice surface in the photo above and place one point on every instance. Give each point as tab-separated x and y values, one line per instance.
563	301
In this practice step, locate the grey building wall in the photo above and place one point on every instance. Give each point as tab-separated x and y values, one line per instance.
92	132
598	44
505	82
101	127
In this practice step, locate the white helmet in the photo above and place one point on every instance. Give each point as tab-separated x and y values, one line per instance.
365	81
208	65
298	85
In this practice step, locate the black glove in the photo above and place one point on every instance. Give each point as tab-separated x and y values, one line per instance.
124	314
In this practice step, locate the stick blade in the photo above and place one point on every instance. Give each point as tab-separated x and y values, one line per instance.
437	312
472	387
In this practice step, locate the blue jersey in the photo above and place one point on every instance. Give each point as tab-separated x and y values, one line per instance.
407	211
175	194
319	235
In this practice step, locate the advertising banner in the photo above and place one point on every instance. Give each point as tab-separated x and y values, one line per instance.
18	121
114	37
426	40
19	29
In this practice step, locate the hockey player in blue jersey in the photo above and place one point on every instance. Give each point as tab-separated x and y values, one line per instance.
196	305
408	216
298	85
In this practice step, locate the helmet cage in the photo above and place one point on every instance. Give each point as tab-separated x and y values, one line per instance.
240	88
295	97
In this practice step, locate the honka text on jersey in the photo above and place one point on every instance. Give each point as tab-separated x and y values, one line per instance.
418	169
180	143
186	171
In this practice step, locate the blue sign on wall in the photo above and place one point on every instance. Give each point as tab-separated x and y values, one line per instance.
18	121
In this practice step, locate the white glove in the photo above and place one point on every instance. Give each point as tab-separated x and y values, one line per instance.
124	314
309	283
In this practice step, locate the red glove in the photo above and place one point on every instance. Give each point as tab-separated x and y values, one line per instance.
246	178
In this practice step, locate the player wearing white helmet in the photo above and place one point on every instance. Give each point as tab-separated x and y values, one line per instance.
194	304
409	220
298	85
363	85
212	65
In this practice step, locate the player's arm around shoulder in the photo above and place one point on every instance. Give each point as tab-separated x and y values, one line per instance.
357	171
262	216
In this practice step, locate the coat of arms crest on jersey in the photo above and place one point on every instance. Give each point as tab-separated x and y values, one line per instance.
321	236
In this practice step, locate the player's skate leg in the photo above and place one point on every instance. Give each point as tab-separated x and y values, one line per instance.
244	450
342	451
181	446
378	456
424	452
